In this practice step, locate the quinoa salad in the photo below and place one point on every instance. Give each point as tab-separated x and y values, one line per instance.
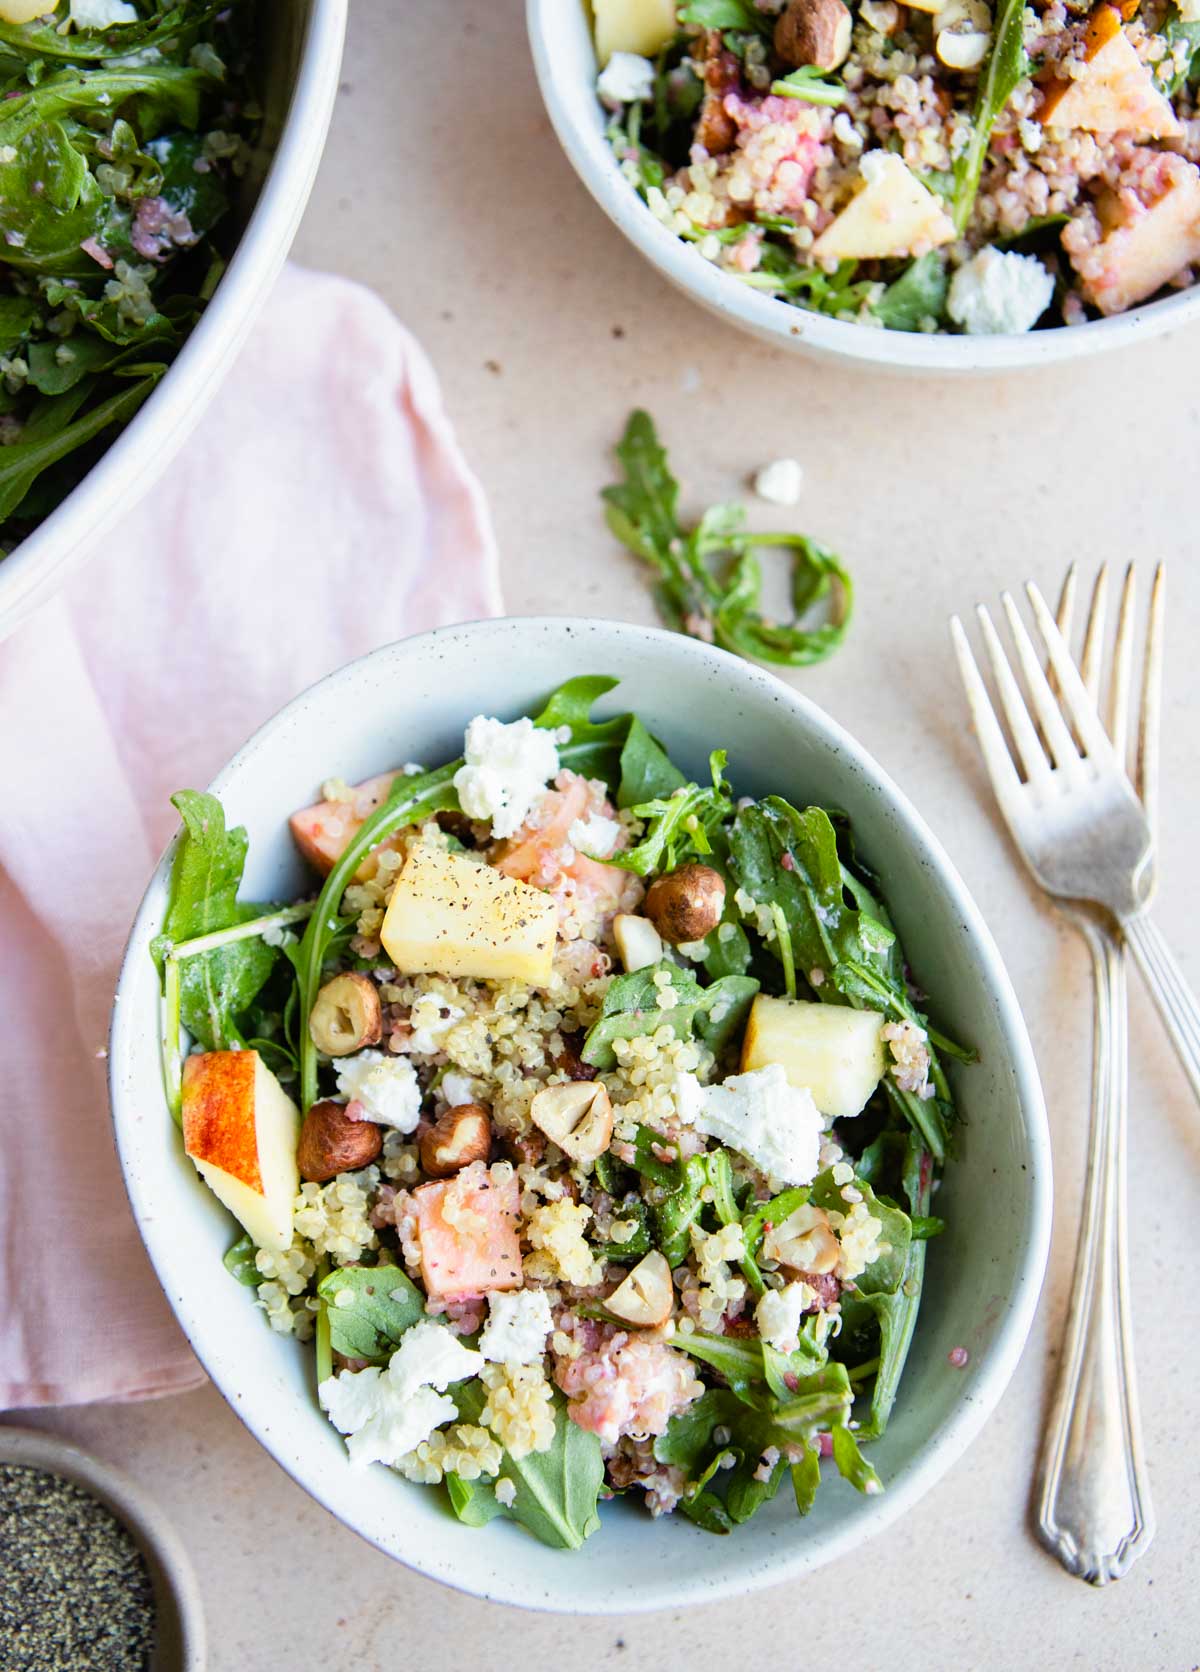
124	130
979	166
583	1117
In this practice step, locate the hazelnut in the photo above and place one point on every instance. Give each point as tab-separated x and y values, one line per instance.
815	32
331	1144
346	1016
686	904
578	1117
804	1242
638	941
646	1297
462	1135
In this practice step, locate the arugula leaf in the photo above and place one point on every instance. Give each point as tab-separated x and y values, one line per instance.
596	746
851	1464
679	826
557	1491
811	84
52	432
727	14
919	294
1007	66
633	1009
216	987
1176	29
384	1302
709	583
647	771
240	1262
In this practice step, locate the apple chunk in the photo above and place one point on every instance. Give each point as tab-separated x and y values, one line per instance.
1115	93
241	1129
450	915
827	1049
641	26
1150	233
892	215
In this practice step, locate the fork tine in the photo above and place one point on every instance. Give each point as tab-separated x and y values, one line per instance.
1075	699
1118	696
1029	748
1093	643
996	757
1066	601
1058	737
1147	762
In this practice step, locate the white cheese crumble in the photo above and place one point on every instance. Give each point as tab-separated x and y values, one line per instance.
594	836
779	1312
780	482
518	1323
101	14
386	1086
627	76
387	1413
506	1492
506	768
457	1089
999	293
775	1125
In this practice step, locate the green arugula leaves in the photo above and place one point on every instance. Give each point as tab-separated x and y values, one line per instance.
634	1008
709	583
369	1309
1007	65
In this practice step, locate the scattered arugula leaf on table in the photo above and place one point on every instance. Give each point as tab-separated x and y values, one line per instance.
709	580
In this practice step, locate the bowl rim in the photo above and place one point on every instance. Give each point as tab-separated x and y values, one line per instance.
129	468
969	1415
180	1643
784	324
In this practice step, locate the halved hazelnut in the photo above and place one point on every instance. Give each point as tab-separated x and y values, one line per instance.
577	1117
803	1242
462	1135
686	904
331	1144
638	941
646	1296
347	1015
815	32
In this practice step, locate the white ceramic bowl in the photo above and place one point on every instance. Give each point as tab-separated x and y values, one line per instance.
561	40
304	46
411	701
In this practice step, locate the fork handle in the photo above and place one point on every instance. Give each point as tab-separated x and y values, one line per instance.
1094	1510
1175	1000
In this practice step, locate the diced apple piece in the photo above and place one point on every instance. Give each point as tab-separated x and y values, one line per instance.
641	26
467	1229
638	941
241	1129
323	831
1116	91
452	916
1140	252
827	1049
892	215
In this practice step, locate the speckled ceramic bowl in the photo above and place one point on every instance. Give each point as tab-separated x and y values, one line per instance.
179	1639
561	40
304	54
411	701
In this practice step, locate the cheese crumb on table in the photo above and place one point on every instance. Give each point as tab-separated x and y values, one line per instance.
780	482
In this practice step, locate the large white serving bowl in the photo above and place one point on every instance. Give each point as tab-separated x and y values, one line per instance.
564	58
411	701
304	41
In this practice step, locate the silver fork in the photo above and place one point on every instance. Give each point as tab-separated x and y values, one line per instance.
1084	835
1175	1000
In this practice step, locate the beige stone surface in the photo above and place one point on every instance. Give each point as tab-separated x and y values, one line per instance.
443	187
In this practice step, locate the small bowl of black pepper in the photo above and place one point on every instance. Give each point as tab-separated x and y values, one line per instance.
93	1577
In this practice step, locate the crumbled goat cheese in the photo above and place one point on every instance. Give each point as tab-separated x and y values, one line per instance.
457	1089
385	1414
772	1123
999	292
627	76
101	14
506	768
779	1312
506	1492
517	1327
594	836
386	1086
780	482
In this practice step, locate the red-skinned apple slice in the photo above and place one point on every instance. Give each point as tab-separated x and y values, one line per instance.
241	1128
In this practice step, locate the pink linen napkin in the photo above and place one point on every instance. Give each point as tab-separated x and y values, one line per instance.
322	507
